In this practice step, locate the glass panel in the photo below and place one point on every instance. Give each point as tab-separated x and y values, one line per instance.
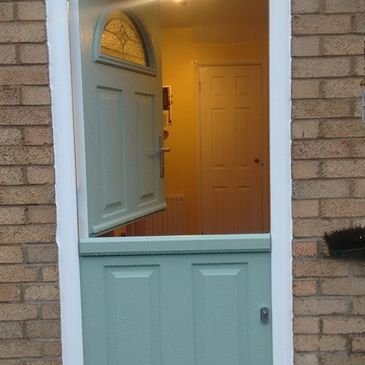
120	39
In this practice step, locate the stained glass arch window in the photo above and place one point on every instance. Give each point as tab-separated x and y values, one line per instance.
122	40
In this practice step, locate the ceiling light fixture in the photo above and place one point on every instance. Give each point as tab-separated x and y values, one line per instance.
182	2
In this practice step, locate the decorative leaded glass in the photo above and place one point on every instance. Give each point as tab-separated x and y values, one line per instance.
120	39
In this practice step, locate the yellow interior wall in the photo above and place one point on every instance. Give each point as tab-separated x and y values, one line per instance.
180	58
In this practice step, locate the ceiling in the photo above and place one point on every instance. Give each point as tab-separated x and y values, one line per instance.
213	12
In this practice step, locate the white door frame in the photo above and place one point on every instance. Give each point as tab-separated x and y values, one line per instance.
61	81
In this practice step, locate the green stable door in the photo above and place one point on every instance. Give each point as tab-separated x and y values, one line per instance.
178	300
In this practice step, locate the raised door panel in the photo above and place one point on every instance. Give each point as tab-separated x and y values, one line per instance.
133	314
111	136
220	313
146	149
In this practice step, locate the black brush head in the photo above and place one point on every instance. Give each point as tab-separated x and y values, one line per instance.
346	239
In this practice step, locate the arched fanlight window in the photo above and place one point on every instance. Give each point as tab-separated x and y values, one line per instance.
122	40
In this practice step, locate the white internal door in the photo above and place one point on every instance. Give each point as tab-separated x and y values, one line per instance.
231	149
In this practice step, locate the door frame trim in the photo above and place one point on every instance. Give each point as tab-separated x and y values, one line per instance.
63	81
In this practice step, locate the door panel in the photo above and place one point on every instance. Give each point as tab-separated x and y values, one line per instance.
122	122
231	149
154	305
126	315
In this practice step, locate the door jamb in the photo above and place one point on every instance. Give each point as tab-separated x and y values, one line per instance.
62	81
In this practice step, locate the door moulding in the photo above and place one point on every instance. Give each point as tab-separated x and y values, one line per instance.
63	82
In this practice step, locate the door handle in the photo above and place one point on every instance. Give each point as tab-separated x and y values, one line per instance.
165	149
162	152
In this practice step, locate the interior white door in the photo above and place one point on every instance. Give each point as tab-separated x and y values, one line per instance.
231	149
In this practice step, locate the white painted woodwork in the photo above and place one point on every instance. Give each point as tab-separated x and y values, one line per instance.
231	142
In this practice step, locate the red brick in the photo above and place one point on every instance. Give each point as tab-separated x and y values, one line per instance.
306	325
40	174
25	115
304	129
309	227
27	194
42	253
34	233
7	54
26	75
321	24
306	46
42	214
20	348
41	292
343	128
342	88
38	136
6	12
11	175
305	208
12	215
305	359
358	305
320	268
358	344
11	255
33	53
50	274
33	10
22	32
18	311
315	189
310	67
9	293
21	155
305	249
343	168
10	330
343	286
302	7
305	288
43	329
17	273
305	169
320	306
342	45
50	311
311	109
344	6
343	325
9	96
36	95
10	136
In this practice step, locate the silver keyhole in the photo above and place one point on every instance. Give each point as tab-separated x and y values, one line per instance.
264	315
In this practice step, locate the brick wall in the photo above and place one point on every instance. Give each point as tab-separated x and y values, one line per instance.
328	191
328	179
29	310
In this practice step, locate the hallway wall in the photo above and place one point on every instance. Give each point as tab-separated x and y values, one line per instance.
181	55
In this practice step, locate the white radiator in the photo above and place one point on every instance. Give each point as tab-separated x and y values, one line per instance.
168	222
